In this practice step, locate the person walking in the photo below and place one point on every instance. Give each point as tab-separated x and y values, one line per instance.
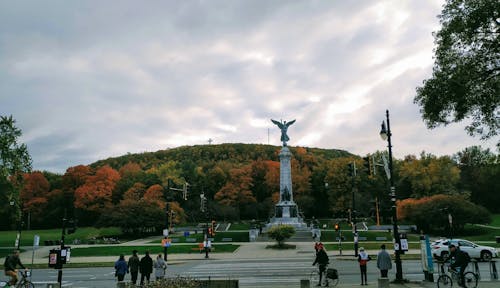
10	267
133	266
160	266
363	259
146	268
323	260
384	262
121	268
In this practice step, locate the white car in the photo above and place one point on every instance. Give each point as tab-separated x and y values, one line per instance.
485	253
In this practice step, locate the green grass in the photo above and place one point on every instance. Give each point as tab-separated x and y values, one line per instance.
127	250
237	236
495	220
329	236
7	238
7	251
368	246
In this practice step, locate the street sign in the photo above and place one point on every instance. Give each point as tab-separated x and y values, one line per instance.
404	244
165	232
36	241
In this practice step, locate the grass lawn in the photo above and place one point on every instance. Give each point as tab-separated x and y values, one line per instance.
7	251
127	250
369	246
239	226
329	236
495	220
7	238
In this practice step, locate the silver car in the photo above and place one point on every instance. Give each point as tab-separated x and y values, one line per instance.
440	249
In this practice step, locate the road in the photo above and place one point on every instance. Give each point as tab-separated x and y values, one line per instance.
251	273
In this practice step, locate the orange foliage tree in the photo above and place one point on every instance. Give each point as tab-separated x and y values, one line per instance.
95	195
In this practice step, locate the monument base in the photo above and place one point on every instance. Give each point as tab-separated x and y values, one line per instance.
286	213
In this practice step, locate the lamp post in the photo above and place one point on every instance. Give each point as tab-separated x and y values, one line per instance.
386	134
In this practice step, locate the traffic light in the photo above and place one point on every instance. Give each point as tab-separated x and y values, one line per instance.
71	226
213	228
352	169
337	227
203	203
368	165
210	231
185	188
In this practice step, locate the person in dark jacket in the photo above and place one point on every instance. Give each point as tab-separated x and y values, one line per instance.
146	267
322	260
363	259
384	262
10	267
133	266
121	268
459	259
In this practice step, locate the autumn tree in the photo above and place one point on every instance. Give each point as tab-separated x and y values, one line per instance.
237	191
465	79
429	175
431	213
94	197
14	161
34	196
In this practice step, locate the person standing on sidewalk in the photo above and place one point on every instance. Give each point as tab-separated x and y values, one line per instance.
363	259
146	268
160	266
133	266
121	268
384	262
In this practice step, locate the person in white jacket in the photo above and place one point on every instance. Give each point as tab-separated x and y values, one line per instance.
160	266
363	259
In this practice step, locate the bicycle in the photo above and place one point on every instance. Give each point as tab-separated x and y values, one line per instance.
330	278
24	282
445	280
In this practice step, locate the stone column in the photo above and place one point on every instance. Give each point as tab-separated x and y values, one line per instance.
285	175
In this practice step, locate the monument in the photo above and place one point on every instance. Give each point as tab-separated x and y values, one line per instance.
286	211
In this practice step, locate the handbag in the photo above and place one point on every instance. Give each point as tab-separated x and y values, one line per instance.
332	273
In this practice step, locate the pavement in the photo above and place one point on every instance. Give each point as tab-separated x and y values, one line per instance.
247	250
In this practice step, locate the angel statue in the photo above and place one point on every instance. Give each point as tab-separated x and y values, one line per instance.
284	127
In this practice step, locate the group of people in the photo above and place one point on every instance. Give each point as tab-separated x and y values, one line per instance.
144	266
384	263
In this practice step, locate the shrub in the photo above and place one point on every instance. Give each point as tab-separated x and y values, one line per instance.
280	233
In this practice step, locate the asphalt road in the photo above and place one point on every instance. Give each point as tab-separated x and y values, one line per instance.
251	273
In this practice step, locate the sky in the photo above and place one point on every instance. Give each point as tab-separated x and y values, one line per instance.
88	80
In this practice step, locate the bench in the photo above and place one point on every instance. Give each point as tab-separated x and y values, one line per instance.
191	240
381	238
227	240
362	238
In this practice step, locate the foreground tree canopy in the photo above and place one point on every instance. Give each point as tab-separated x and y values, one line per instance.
465	79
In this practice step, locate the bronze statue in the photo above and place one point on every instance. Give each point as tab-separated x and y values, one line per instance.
284	127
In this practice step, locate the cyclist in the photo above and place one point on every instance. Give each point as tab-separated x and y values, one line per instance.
10	267
458	259
322	260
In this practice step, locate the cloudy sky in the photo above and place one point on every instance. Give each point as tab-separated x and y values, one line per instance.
87	80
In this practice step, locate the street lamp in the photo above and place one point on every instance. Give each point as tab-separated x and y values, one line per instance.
386	134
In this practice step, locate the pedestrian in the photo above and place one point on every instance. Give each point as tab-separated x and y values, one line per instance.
146	267
363	259
133	266
121	268
10	267
322	260
384	262
160	266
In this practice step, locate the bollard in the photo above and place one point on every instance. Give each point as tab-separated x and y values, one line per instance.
493	270
305	283
383	282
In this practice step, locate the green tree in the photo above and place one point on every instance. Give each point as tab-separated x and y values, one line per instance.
465	78
281	233
14	161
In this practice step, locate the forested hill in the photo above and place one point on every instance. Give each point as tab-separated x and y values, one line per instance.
202	155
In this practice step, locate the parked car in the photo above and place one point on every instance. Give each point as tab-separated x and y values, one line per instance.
440	249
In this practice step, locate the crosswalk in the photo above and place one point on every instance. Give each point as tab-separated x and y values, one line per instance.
255	273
